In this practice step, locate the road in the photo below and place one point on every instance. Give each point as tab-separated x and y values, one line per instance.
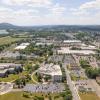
71	84
33	78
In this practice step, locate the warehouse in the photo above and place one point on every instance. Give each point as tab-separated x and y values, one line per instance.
22	46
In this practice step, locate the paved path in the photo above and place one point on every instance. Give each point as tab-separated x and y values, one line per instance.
71	84
33	78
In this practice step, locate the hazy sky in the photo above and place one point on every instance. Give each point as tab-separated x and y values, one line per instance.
46	12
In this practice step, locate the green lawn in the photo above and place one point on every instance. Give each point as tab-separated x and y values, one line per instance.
8	39
74	78
19	96
12	77
13	96
89	96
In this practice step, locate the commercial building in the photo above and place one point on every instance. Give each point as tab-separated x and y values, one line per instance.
87	47
53	70
72	42
22	46
43	44
66	50
6	68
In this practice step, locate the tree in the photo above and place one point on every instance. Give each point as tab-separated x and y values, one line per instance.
92	73
84	64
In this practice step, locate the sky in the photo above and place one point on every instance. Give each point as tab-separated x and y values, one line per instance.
50	12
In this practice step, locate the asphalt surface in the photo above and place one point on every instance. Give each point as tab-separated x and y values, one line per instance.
71	84
5	88
45	88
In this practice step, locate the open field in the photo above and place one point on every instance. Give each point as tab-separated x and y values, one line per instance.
8	39
13	77
13	96
19	96
89	96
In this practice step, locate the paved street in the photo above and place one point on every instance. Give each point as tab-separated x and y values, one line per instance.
34	81
71	84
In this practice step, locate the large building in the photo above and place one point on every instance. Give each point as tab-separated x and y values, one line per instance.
72	42
67	50
22	46
6	68
53	70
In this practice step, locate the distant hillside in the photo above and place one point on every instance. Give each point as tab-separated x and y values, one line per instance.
7	26
72	28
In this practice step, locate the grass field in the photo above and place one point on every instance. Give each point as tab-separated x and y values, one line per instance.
19	96
89	96
8	39
12	77
13	96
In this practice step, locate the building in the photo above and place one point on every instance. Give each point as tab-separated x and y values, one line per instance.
6	68
66	50
3	32
72	42
22	46
43	44
53	70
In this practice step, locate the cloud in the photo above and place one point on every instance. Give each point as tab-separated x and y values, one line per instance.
57	9
91	5
25	2
79	12
87	8
42	12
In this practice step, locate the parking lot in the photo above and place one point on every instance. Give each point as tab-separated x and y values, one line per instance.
5	88
45	88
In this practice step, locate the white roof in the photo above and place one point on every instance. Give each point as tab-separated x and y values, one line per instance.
68	51
3	71
22	46
71	41
87	47
50	69
41	43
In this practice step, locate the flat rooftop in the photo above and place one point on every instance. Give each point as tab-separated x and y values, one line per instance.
3	71
66	50
50	69
41	43
22	46
8	65
72	41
